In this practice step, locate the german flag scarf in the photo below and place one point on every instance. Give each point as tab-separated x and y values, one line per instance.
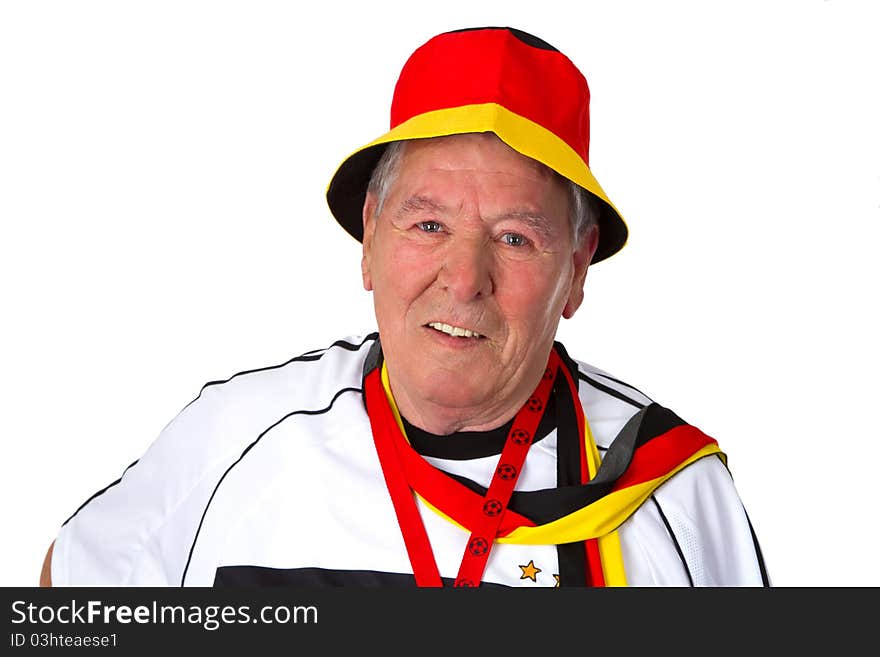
594	495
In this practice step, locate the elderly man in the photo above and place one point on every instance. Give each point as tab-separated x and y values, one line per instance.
460	445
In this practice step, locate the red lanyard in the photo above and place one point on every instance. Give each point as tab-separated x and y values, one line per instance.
390	444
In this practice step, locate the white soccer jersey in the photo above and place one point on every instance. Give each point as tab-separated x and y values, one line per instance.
272	477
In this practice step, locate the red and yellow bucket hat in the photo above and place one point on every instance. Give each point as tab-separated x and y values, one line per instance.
488	79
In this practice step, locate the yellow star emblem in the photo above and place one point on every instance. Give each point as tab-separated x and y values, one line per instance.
530	571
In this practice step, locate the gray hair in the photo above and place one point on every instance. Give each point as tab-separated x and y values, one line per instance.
584	206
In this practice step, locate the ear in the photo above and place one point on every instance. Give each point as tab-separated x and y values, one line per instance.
369	219
581	259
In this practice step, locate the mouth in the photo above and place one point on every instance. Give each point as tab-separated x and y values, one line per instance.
454	331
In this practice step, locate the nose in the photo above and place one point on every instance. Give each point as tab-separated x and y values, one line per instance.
467	270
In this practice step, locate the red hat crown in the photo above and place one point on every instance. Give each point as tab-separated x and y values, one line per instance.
516	70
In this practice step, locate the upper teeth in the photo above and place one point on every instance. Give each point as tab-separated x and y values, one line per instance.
454	330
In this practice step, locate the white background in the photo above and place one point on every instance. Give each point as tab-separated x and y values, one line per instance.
162	176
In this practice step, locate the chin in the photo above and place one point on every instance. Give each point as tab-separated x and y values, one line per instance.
453	390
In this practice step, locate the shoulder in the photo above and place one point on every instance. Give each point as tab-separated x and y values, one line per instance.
227	414
697	511
705	517
693	530
606	384
305	379
139	528
608	401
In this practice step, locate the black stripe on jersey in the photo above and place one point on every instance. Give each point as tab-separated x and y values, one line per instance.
100	492
765	579
320	578
246	450
340	343
609	390
306	357
623	383
674	539
315	354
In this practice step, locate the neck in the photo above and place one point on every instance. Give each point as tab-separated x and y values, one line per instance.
442	419
442	422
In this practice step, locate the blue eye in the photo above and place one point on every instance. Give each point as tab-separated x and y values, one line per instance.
429	226
514	239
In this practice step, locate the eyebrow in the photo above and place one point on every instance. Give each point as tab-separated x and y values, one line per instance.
420	204
536	222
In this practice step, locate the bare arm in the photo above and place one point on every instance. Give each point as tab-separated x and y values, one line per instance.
46	573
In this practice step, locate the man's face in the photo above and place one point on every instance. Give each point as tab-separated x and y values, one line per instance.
471	263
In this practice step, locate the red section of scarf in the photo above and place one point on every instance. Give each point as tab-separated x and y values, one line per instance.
487	515
418	546
510	463
662	454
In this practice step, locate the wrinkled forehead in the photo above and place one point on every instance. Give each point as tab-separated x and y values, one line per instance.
462	142
540	188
